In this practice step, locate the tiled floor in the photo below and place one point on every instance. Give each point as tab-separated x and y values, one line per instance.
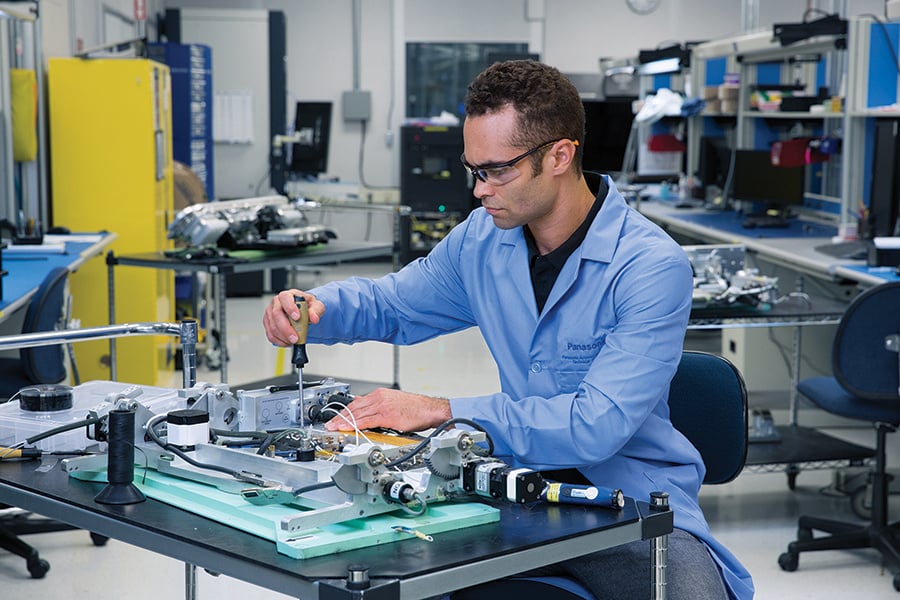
755	516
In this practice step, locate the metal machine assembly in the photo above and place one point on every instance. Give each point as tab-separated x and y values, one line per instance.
266	447
721	278
262	448
248	223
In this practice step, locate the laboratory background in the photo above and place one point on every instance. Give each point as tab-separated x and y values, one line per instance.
168	166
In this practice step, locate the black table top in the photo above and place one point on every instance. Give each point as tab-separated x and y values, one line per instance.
792	310
236	261
525	536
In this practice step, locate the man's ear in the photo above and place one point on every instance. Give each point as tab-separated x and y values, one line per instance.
563	154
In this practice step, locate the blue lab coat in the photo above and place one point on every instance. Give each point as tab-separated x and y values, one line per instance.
585	383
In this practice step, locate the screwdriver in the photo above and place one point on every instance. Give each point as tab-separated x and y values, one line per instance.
6	453
299	358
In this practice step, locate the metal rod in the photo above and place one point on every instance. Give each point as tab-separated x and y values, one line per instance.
659	550
187	331
659	556
111	299
46	338
189	334
222	320
796	356
42	163
190	581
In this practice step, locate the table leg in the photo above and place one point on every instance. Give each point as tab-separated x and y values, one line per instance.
190	581
111	300
223	327
795	362
795	375
659	549
658	562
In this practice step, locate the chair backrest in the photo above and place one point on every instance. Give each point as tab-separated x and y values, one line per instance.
46	364
859	360
708	404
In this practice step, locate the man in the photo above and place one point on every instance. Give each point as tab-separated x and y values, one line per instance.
583	304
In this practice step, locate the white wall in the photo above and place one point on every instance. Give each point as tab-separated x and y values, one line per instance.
570	34
70	26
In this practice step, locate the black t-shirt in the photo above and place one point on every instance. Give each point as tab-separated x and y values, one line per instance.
545	268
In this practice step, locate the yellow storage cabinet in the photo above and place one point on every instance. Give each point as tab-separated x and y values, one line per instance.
111	170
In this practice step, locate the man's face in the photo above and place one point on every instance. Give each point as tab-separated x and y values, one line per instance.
522	197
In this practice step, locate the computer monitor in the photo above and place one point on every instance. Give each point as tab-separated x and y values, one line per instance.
312	123
713	161
756	180
884	197
607	125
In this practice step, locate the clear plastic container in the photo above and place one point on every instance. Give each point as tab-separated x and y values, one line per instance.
17	425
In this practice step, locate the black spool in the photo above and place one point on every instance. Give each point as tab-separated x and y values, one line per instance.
45	398
120	462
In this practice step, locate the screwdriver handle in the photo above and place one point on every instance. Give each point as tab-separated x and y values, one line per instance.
19	453
301	325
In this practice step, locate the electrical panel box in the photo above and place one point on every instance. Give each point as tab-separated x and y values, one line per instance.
357	105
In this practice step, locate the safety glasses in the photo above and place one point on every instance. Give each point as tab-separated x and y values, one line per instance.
504	172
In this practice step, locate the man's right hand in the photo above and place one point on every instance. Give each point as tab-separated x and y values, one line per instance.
279	329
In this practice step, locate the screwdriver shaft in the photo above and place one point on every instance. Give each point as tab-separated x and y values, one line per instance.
299	358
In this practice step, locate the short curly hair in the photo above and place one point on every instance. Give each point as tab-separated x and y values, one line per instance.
548	104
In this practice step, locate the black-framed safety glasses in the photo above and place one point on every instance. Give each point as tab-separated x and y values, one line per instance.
503	172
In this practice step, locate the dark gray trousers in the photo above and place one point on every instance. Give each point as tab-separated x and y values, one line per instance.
623	573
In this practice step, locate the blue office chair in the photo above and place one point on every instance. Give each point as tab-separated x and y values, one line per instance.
44	364
39	365
865	386
708	404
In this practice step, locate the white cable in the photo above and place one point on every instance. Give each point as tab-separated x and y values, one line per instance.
351	420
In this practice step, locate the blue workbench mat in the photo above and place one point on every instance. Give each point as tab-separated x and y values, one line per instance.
265	521
886	273
732	222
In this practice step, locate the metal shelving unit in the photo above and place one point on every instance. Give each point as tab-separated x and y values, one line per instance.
20	48
859	66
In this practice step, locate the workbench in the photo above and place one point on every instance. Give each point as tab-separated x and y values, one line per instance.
793	249
525	537
220	264
798	447
28	265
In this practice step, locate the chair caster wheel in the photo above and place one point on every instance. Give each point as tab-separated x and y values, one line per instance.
99	540
789	561
861	503
37	567
792	471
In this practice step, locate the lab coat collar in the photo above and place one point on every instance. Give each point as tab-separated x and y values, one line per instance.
599	245
602	238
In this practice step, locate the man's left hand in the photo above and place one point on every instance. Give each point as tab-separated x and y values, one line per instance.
393	409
